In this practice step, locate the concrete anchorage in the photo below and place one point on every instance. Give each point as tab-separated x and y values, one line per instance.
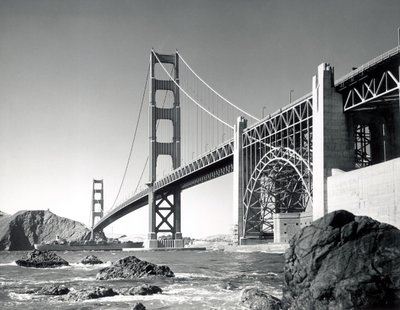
164	214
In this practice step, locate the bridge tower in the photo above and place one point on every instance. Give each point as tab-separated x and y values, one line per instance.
97	202
164	212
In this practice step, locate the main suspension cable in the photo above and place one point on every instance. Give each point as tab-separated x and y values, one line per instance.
134	137
190	97
217	93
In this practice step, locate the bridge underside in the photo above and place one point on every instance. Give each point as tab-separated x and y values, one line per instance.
210	169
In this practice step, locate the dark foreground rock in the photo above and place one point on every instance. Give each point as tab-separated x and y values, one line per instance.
138	306
53	290
255	299
91	260
42	259
342	261
145	289
91	293
131	267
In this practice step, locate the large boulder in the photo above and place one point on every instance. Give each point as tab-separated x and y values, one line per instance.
131	267
256	299
42	259
342	261
91	260
20	231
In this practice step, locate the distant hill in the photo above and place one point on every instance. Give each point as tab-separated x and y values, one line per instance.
25	228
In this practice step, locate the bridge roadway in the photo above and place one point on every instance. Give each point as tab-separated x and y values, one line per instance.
219	161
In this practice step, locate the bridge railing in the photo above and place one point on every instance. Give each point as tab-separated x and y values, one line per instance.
214	155
394	51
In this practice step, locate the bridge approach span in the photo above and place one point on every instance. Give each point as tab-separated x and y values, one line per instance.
213	164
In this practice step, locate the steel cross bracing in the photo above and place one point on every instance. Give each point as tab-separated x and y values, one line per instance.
368	85
278	167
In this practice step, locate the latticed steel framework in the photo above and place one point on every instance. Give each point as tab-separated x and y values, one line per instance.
277	167
362	146
376	82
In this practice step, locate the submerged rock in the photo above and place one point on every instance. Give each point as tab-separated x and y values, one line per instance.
342	261
42	259
228	286
91	260
256	299
53	290
138	306
131	267
145	289
91	293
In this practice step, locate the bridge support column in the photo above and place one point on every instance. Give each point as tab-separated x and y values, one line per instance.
164	212
97	202
332	136
151	241
238	180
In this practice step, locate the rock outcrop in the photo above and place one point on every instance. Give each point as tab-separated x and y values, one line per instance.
25	228
138	306
256	299
131	267
91	293
42	259
342	261
91	260
145	289
53	290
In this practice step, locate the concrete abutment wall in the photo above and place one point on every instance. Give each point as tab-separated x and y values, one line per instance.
373	191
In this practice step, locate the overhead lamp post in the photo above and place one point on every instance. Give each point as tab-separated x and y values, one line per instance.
398	36
263	111
290	95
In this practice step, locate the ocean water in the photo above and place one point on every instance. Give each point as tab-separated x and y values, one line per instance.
203	280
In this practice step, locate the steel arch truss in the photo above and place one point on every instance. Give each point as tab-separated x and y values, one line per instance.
277	167
280	183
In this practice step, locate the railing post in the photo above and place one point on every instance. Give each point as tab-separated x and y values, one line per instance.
238	179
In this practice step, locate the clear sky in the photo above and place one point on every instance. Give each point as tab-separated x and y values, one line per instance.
72	75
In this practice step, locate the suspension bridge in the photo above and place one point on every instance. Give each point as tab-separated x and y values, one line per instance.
280	164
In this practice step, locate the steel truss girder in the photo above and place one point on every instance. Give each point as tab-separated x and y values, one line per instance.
377	89
280	123
218	154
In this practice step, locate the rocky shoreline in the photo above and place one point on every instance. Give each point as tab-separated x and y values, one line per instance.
340	261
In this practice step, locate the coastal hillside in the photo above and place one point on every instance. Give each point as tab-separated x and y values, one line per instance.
23	229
